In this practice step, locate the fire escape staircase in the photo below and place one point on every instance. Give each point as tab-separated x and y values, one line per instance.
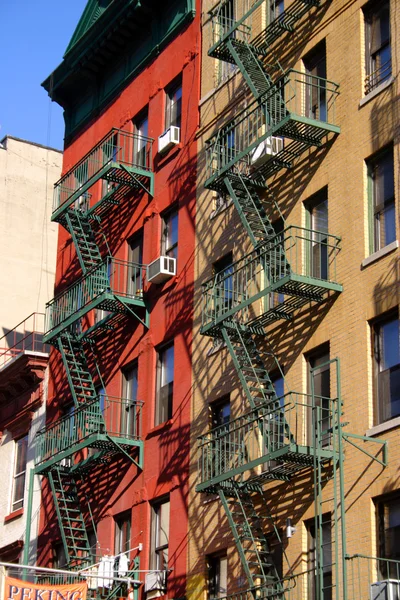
70	517
91	426
248	526
228	468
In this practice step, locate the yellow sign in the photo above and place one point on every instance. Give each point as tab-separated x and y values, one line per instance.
15	589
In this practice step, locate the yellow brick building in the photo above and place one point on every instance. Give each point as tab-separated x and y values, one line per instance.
295	484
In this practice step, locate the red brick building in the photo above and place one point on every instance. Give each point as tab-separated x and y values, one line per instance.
115	451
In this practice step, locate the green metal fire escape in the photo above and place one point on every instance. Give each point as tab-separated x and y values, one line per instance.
97	427
270	283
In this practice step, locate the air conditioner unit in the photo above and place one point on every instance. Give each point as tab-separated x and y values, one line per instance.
171	137
265	151
389	589
161	269
155	581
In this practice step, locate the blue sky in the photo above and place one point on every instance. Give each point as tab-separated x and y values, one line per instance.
34	35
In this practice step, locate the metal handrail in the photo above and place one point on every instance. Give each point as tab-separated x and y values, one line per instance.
121	147
113	275
27	336
116	417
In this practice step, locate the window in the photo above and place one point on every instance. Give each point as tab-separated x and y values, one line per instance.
21	447
141	149
315	67
279	270
111	154
122	539
319	400
159	535
220	412
135	260
377	44
317	208
388	526
387	368
129	396
169	239
319	537
165	384
226	19
173	108
217	576
223	281
276	8
381	192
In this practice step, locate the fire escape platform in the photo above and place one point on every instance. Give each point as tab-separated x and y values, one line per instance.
114	286
296	289
121	159
278	465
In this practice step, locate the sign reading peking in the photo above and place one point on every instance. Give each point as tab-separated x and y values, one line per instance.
15	589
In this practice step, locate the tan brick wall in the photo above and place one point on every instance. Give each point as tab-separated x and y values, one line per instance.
342	321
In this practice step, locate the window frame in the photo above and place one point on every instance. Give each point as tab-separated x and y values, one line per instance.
373	10
157	550
164	406
315	65
141	153
317	267
22	442
135	280
129	424
381	504
168	246
122	530
310	526
382	405
215	574
170	103
372	164
215	412
322	354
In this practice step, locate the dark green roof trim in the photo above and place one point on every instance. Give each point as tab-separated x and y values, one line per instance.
110	52
93	11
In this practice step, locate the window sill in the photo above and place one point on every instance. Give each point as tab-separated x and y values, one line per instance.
163	158
160	428
376	91
383	427
379	254
14	515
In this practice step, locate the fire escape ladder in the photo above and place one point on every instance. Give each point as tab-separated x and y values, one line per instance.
251	370
79	377
250	208
70	517
248	527
250	66
79	226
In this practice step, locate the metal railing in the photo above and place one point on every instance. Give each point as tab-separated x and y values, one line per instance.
27	336
372	577
116	148
224	19
116	417
295	251
296	94
252	439
112	276
379	76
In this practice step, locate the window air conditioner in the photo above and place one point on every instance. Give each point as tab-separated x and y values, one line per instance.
265	151
170	137
385	590
155	581
161	269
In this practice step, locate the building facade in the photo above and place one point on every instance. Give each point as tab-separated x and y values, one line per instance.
296	357
28	241
114	455
28	258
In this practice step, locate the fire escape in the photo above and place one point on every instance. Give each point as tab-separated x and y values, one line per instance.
97	427
277	437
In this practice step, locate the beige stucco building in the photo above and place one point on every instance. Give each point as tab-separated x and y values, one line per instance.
28	241
28	245
297	266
